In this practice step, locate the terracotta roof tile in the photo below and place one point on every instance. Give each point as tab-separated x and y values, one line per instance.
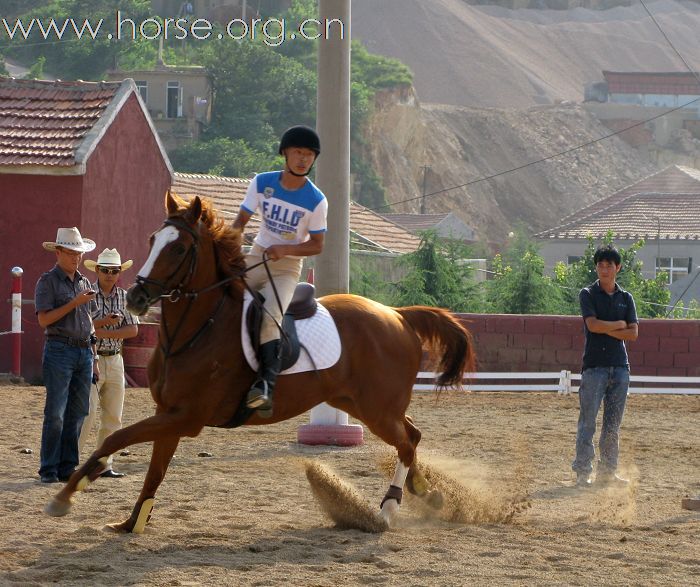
43	123
632	212
416	222
369	231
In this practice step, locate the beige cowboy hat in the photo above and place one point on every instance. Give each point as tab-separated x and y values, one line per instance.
69	238
108	258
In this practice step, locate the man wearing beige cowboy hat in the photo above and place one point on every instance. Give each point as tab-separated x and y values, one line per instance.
64	304
113	323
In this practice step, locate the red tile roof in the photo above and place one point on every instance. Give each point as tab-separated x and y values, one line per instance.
44	123
661	205
369	231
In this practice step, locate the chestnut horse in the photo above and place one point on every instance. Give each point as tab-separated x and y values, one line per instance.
198	374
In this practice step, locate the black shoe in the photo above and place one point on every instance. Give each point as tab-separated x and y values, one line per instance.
64	478
583	480
49	479
110	474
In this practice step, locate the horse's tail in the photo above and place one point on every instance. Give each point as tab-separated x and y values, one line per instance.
447	339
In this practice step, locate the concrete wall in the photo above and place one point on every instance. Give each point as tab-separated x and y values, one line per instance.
509	342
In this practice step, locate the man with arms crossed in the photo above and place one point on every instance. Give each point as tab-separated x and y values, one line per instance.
610	318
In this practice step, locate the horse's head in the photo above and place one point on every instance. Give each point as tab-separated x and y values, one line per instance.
173	256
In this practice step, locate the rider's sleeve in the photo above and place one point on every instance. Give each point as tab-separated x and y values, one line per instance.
250	202
317	222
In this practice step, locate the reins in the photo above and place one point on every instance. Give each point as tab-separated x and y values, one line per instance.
177	293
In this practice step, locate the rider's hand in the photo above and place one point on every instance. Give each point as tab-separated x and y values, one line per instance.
275	252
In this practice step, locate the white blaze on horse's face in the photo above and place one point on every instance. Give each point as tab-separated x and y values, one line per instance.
161	239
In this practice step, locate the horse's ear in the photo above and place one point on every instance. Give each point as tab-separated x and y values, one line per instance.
194	212
170	204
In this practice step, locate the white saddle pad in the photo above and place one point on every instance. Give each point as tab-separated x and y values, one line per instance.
318	336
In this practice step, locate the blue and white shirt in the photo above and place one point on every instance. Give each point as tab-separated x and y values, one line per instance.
288	216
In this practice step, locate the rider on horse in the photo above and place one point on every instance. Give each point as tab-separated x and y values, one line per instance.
293	225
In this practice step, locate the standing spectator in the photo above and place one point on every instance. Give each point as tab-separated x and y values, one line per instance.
113	323
610	318
64	303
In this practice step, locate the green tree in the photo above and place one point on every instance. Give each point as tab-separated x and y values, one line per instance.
36	71
84	58
437	276
522	287
222	156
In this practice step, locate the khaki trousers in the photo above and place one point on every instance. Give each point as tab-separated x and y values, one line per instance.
109	394
285	273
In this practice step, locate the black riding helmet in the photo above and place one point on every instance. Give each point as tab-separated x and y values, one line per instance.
301	136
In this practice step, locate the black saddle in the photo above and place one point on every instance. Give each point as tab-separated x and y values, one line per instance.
303	305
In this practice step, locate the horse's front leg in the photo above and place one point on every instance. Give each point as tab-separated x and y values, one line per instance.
161	456
162	425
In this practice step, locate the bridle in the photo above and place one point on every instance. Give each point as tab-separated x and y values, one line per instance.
179	293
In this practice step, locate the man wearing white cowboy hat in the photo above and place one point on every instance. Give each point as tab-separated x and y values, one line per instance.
64	303
113	323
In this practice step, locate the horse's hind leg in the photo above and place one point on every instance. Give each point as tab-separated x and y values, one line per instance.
161	456
405	439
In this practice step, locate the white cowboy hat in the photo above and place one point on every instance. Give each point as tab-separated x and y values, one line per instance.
108	258
69	238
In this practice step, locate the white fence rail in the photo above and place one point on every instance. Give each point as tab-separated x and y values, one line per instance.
561	382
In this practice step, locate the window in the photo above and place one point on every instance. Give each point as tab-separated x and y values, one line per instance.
174	100
571	259
676	267
142	87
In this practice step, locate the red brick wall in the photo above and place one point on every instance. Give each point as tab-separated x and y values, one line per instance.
506	342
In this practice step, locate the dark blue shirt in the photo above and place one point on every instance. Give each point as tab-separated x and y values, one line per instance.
55	289
602	350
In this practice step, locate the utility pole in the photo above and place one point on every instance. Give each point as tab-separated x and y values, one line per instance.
425	169
333	125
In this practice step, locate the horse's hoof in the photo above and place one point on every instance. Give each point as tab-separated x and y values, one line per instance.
121	528
435	499
57	508
389	511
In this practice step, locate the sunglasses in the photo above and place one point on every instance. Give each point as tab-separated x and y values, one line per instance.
108	271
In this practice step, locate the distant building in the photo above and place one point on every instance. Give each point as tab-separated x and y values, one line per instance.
178	99
446	226
79	154
661	209
627	98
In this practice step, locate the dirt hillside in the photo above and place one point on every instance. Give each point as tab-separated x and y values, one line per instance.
461	145
490	56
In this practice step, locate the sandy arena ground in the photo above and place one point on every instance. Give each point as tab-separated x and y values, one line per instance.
247	516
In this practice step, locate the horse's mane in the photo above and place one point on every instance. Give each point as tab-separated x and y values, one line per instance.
227	240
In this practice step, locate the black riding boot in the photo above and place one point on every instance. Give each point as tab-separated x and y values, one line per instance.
260	394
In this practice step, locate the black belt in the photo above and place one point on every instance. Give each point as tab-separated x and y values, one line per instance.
108	353
70	341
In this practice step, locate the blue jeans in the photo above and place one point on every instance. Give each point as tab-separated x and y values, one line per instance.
67	374
608	385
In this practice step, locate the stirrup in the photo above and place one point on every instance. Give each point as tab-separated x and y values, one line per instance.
258	397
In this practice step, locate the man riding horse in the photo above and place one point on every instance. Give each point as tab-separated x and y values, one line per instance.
293	225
